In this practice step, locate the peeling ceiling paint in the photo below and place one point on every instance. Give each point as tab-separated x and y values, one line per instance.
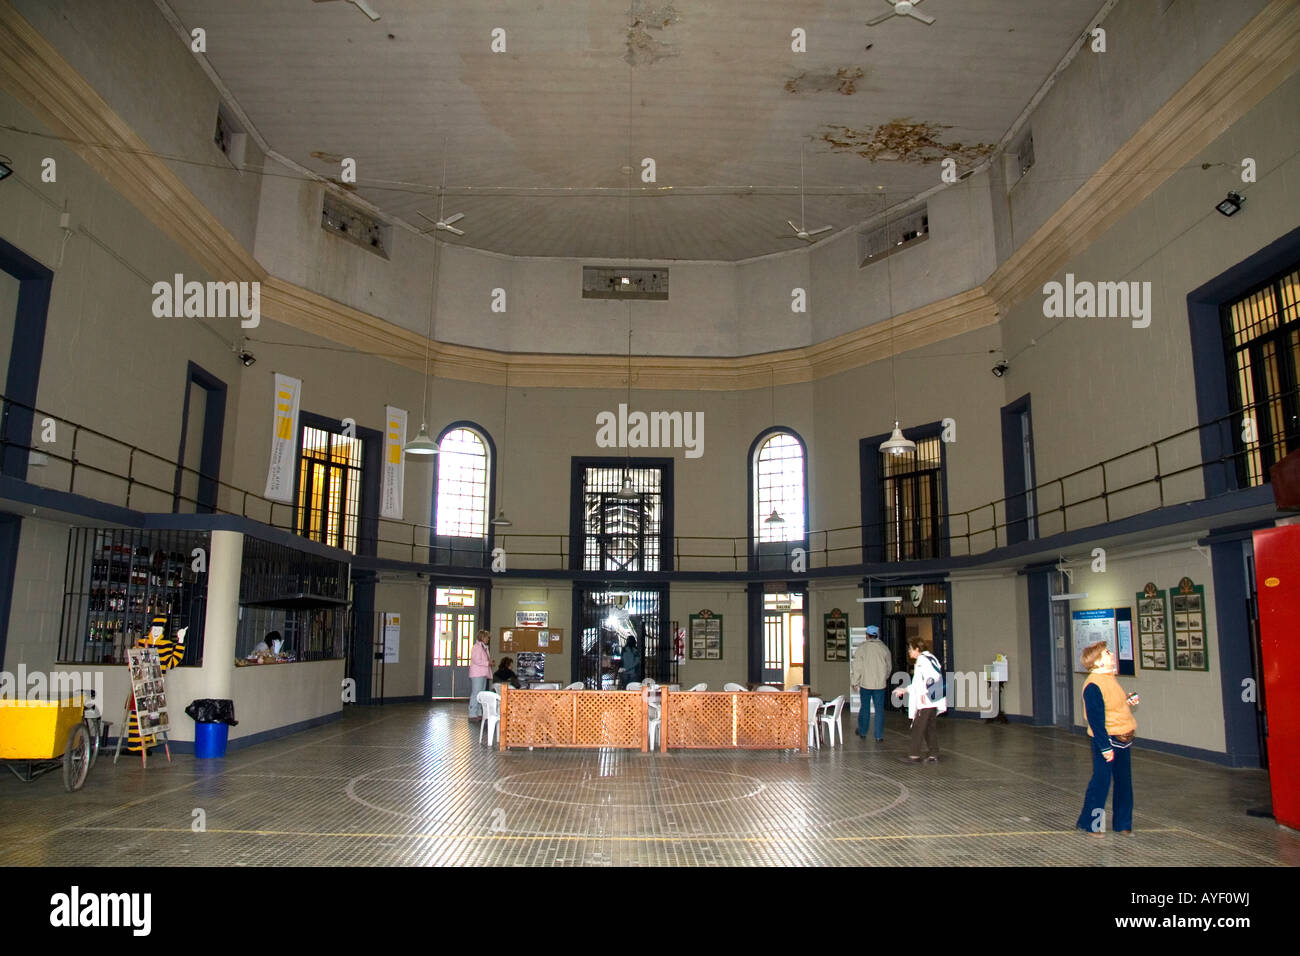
844	80
644	43
907	141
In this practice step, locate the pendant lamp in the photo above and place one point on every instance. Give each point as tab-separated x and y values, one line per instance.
422	444
501	521
895	444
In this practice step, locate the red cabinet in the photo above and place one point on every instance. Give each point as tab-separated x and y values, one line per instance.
1277	581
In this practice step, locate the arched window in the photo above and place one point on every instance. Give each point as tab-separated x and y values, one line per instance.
779	501
464	467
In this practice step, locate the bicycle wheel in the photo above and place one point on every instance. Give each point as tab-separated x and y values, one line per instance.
76	758
94	728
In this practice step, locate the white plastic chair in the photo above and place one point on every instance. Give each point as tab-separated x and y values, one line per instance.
654	725
814	735
635	685
576	685
769	688
830	716
698	687
490	701
732	685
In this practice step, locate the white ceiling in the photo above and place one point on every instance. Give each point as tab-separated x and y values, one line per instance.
537	137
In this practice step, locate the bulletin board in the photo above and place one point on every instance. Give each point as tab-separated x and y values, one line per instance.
836	647
705	638
542	640
1187	610
1153	628
1089	628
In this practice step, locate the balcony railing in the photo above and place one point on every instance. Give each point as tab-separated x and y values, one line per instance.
1171	470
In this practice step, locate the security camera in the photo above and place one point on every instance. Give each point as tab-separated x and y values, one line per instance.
246	358
1000	369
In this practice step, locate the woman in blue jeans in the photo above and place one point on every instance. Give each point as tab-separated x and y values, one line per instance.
1112	727
868	675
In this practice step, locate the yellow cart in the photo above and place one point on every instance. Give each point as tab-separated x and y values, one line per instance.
37	736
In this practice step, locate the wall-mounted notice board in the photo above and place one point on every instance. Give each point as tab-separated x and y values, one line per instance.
544	640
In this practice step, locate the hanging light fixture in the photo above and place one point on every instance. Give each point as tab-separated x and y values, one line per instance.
627	493
423	444
501	521
895	444
775	517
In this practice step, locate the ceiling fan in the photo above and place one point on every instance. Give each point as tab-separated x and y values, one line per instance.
902	8
362	5
443	223
800	231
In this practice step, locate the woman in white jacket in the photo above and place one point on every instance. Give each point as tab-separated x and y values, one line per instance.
925	700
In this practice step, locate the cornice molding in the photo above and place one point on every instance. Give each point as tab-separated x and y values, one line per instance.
1264	53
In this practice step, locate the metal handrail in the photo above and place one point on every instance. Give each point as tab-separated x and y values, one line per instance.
418	542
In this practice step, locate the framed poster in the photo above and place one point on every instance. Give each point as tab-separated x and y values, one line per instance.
705	636
392	637
1187	609
1153	628
837	635
148	690
1124	658
1089	628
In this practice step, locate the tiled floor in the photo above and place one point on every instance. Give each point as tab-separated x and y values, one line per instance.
410	784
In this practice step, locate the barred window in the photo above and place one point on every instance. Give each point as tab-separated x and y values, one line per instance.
622	534
912	502
463	470
1262	340
329	487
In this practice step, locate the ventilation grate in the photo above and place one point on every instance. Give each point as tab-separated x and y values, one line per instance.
350	223
599	282
876	244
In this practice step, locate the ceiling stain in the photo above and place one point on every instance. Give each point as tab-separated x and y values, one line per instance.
905	140
844	81
645	45
326	157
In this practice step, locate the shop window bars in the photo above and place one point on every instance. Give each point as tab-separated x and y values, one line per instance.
99	466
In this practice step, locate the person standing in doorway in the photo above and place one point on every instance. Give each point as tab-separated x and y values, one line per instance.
631	662
926	700
1112	727
480	670
869	674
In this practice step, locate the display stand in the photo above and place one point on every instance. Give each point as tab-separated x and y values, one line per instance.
148	699
997	673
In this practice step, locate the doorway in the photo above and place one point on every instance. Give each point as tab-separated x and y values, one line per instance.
785	638
1062	664
203	420
451	639
920	611
609	617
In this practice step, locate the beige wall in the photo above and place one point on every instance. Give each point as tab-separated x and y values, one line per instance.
1180	707
990	617
278	695
557	601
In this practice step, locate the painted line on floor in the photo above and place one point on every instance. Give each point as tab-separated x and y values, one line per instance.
684	838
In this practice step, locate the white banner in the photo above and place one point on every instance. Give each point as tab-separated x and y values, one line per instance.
392	637
284	435
394	462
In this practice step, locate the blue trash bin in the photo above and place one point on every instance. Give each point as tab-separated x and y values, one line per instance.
210	740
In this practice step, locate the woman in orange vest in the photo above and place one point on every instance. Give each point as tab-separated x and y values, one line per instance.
1111	726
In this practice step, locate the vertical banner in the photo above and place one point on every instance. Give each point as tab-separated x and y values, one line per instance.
394	462
279	474
392	637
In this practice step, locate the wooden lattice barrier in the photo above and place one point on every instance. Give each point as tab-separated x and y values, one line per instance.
734	720
574	718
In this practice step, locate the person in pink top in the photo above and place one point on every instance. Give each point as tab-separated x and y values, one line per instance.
480	672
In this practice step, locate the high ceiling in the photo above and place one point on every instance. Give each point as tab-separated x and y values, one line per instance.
538	139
